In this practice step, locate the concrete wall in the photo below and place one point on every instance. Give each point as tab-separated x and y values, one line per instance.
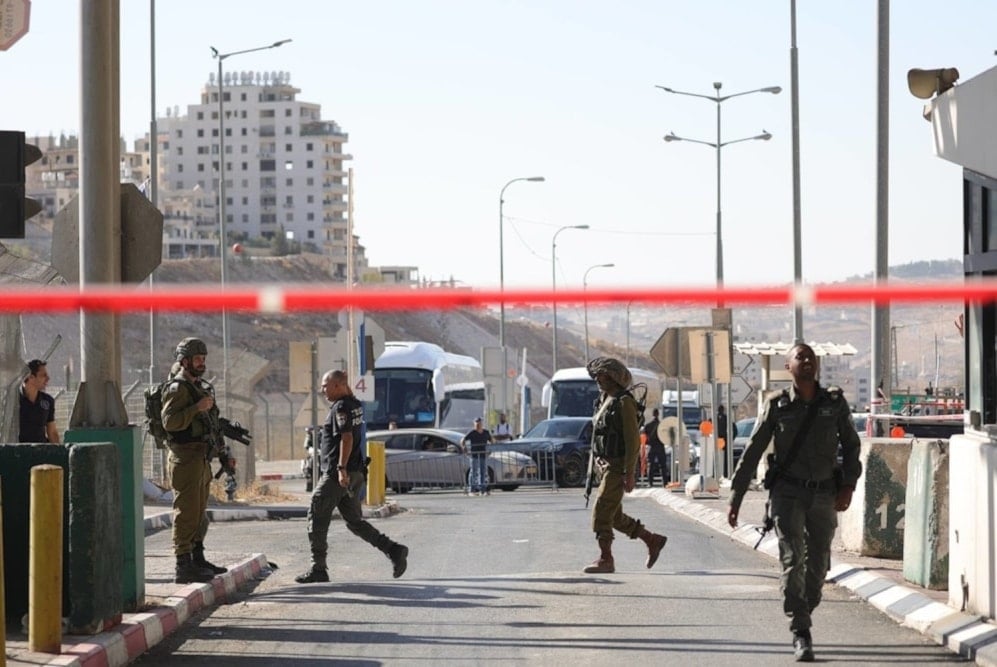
874	524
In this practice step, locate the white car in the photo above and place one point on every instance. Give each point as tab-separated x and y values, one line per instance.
434	458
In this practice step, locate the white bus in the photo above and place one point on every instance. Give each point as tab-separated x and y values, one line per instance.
572	393
692	412
419	385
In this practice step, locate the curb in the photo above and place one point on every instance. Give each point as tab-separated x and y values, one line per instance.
137	633
277	476
164	520
970	636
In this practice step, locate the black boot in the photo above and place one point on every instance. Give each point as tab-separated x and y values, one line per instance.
198	556
398	553
189	572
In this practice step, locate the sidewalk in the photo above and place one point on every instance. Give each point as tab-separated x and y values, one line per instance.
169	605
878	581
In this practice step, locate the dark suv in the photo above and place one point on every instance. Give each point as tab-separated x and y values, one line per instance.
560	446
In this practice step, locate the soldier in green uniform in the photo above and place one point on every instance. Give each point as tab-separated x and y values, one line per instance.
804	495
188	400
616	445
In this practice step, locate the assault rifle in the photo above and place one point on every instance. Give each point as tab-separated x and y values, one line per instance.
221	428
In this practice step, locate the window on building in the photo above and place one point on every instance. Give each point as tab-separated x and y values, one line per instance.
309	164
200	132
288	130
310	199
245	217
309	146
311	233
243	98
180	168
200	115
310	217
245	166
244	149
289	217
310	181
243	132
287	113
200	166
289	200
268	165
289	182
214	131
288	165
245	182
289	148
245	201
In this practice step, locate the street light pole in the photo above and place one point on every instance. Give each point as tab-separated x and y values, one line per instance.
532	179
222	234
585	282
718	144
553	288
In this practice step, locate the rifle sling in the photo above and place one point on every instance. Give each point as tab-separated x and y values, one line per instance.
782	466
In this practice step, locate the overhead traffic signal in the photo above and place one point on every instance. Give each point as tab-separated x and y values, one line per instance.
15	155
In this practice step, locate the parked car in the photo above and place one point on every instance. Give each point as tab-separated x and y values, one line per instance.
559	446
431	457
742	436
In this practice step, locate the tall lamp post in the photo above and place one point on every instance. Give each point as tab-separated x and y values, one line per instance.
532	179
585	282
223	237
764	136
553	286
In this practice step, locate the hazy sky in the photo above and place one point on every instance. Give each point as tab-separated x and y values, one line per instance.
447	100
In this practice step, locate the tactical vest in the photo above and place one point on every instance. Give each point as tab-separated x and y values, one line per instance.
608	441
200	427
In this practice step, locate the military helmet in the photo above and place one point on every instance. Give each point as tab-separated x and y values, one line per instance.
189	347
614	368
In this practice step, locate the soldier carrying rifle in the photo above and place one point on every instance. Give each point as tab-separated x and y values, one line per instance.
194	433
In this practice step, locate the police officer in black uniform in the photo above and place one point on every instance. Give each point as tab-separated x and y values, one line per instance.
342	463
805	495
657	457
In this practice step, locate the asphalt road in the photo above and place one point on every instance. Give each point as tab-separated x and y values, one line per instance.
498	580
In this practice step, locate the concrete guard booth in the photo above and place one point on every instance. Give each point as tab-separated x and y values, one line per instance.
964	125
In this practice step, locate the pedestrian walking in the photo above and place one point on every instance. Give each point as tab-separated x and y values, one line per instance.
343	467
656	455
616	445
806	487
476	442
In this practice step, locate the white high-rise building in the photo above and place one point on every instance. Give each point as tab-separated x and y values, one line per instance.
284	171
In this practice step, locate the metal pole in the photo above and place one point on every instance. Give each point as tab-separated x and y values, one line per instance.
222	235
628	332
553	285
794	68
720	240
153	169
502	277
881	314
586	310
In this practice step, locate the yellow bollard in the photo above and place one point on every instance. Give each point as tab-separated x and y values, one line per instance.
3	609
45	560
375	473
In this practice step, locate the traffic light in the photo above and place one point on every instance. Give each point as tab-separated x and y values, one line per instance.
15	155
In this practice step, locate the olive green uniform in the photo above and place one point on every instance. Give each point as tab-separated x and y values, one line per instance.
617	446
190	474
802	499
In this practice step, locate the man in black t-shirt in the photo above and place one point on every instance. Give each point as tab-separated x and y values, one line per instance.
476	441
342	462
37	408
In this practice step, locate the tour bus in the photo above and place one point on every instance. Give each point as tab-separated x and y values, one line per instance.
419	385
572	393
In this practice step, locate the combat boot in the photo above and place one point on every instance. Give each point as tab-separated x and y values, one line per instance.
198	557
604	564
655	543
189	572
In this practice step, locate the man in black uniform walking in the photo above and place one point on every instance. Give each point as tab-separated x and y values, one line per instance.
807	423
342	466
656	455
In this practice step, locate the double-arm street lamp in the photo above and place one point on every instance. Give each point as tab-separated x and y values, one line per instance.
718	144
585	282
553	286
533	179
222	235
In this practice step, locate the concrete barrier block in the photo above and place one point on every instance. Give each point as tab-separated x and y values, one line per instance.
926	534
95	548
874	524
972	525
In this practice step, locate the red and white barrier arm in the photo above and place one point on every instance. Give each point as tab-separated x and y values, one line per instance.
294	298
